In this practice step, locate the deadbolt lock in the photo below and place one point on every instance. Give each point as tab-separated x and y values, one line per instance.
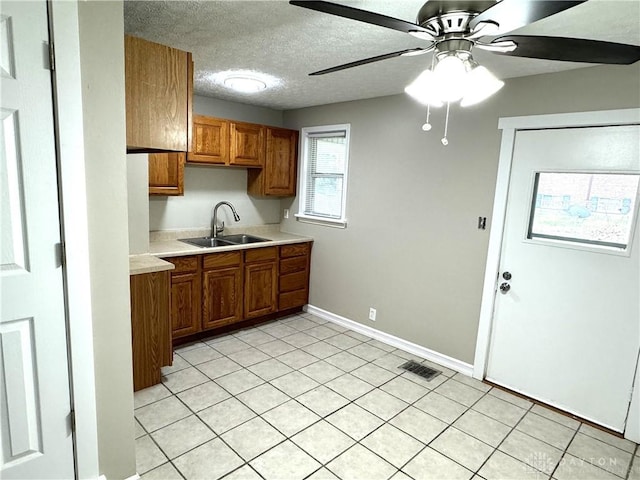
505	287
506	276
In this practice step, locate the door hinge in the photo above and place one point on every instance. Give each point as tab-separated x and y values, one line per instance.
62	254
72	421
52	57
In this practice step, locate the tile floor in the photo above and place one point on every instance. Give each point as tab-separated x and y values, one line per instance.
300	398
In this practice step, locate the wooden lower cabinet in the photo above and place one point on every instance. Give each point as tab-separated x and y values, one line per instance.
221	289
217	289
222	293
293	284
186	293
260	282
150	333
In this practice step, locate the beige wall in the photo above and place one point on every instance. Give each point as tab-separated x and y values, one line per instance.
205	186
101	28
411	249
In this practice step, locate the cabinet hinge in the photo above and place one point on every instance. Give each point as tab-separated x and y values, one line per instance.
52	57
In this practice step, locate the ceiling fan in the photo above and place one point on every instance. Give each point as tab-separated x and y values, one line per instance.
460	25
453	28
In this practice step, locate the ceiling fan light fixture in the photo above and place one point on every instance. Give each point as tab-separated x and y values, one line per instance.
424	89
451	78
481	84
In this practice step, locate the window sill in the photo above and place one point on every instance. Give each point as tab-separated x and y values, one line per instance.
327	222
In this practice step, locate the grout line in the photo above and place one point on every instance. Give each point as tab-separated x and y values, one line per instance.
323	418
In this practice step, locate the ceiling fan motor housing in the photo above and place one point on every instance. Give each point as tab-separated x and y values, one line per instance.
450	17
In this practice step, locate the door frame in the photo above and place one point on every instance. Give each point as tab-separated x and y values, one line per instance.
509	127
67	92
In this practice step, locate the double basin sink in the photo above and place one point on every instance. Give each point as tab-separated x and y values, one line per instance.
223	241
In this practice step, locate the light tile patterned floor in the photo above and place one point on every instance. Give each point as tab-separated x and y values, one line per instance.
300	398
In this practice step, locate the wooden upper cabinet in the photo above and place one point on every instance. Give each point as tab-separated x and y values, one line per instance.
166	173
159	90
246	144
278	177
210	142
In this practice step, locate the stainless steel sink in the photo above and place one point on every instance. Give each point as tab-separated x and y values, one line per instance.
242	238
206	242
227	240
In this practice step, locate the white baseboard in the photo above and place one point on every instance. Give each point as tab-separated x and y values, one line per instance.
427	354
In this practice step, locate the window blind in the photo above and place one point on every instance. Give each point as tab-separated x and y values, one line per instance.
327	154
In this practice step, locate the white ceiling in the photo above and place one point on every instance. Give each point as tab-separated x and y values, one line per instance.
288	42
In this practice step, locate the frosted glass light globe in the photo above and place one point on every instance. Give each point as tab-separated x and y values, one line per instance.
451	78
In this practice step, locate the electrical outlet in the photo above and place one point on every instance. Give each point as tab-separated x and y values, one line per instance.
372	314
286	213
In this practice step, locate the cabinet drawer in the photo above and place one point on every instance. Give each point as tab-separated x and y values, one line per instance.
292	299
217	260
294	250
184	264
260	254
293	281
291	265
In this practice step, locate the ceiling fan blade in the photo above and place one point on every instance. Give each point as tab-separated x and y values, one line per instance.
513	14
571	49
360	15
408	52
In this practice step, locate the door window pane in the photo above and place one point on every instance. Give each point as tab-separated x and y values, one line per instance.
588	208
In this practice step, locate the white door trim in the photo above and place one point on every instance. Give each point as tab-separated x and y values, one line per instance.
68	91
509	126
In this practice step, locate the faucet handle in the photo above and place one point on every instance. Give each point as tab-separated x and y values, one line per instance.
221	228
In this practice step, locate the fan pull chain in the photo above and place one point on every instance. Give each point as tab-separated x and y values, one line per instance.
444	140
427	126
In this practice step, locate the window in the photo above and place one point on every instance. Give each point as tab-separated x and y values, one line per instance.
595	209
325	155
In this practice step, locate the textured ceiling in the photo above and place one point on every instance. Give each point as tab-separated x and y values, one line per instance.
288	42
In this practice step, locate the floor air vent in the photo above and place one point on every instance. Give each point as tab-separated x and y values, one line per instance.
421	370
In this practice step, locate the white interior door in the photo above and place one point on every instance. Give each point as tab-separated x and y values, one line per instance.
34	383
567	332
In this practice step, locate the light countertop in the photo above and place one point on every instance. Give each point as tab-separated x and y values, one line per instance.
146	263
176	248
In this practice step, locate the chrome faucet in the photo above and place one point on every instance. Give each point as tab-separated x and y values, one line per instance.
215	230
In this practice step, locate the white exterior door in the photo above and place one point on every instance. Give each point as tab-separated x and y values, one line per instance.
566	325
34	378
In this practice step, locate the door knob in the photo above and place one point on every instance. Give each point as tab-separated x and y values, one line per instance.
505	287
506	276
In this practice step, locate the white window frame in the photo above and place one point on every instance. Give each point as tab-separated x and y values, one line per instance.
305	134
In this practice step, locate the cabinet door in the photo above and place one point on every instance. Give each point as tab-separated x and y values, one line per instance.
166	173
150	332
247	145
210	143
260	289
157	96
185	304
222	292
281	162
